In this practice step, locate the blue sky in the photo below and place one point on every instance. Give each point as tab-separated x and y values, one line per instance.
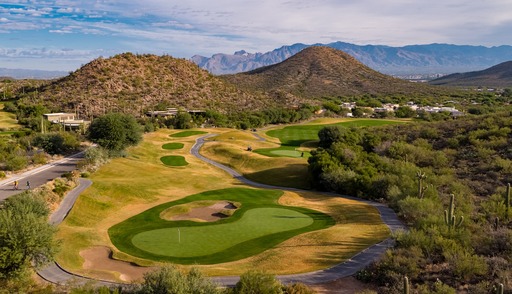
64	34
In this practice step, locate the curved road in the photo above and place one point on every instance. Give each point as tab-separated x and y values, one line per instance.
56	274
39	176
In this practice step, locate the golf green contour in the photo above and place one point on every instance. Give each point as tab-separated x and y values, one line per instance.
187	134
259	224
174	160
173	146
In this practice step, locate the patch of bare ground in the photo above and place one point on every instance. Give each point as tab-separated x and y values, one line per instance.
347	285
99	260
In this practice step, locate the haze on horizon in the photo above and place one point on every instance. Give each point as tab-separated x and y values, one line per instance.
64	34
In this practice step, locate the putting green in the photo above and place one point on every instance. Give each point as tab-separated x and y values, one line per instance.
284	151
174	160
187	134
259	224
206	240
173	146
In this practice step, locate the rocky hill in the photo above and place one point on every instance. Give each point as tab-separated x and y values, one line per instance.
497	76
316	72
137	83
406	60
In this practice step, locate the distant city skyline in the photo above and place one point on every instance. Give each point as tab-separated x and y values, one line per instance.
64	34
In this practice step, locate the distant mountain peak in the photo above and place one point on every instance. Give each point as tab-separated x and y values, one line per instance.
320	71
411	59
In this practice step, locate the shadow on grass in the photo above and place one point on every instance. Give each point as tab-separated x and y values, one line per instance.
291	175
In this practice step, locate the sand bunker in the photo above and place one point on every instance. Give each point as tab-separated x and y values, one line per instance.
99	259
207	213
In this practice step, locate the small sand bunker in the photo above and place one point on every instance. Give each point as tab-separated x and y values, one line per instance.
99	260
210	213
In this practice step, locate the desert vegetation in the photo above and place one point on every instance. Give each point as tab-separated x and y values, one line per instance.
447	180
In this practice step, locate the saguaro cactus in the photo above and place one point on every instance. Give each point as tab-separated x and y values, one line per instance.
499	289
421	190
406	285
449	215
507	198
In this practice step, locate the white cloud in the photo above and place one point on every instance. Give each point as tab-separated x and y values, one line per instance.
185	28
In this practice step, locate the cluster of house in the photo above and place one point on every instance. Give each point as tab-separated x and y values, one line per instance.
390	107
170	112
71	121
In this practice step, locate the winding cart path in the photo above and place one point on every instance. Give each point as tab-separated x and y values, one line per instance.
56	274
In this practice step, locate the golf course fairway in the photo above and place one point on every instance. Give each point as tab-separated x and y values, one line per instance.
259	224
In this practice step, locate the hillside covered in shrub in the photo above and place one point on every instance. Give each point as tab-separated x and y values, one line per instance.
415	168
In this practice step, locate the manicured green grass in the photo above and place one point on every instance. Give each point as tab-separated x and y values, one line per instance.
174	160
187	134
172	146
283	151
259	224
298	134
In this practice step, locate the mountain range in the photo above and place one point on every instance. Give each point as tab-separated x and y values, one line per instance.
428	59
496	76
134	83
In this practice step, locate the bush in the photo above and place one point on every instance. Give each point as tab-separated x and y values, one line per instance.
297	288
254	281
170	279
16	162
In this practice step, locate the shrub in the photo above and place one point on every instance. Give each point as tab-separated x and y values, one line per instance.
255	281
297	288
16	162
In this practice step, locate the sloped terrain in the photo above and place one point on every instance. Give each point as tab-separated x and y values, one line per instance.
497	76
136	83
321	71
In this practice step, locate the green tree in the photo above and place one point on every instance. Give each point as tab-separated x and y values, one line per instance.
115	131
26	238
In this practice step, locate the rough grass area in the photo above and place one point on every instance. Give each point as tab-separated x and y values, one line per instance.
187	134
258	225
174	160
173	146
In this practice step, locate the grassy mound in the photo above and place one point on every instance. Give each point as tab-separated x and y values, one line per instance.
187	134
173	146
259	224
174	160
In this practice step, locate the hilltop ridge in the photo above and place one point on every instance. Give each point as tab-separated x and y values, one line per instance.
322	71
135	83
499	75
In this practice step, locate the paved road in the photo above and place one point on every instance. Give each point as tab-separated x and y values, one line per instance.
39	176
56	274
